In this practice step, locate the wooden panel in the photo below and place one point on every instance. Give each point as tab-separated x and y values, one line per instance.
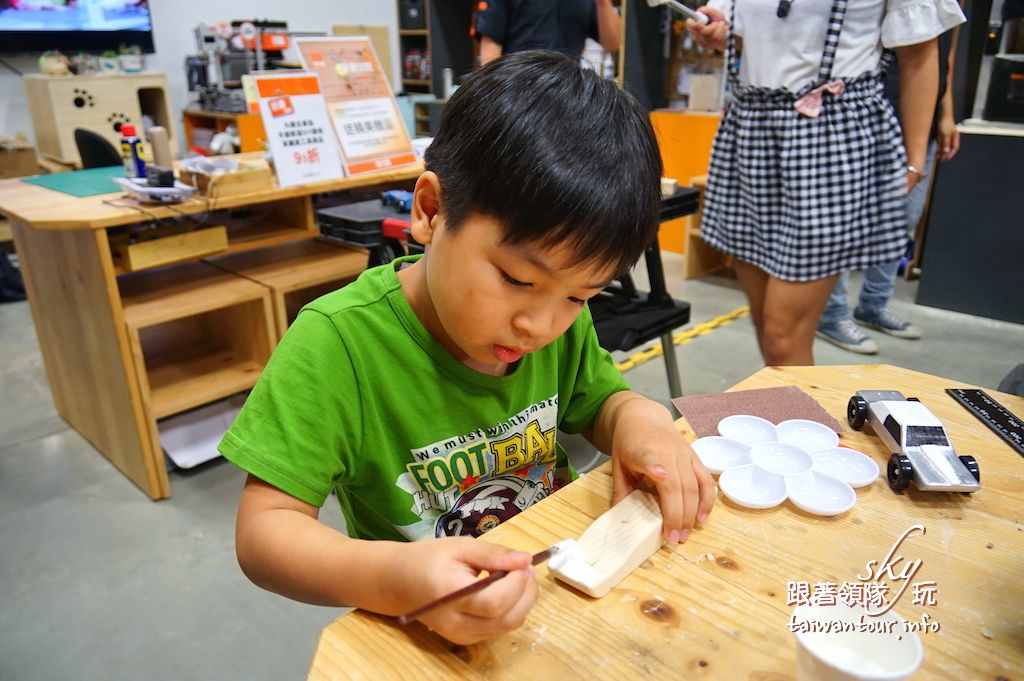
169	248
85	346
716	607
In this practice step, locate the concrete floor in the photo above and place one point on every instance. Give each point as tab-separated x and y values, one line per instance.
100	583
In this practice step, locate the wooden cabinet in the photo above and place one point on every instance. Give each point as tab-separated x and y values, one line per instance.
126	345
101	103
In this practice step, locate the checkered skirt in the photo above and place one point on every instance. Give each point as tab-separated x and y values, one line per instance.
804	198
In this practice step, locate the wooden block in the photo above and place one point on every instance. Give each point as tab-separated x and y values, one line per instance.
170	248
612	547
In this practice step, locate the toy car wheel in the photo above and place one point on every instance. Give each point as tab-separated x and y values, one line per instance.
857	412
971	465
899	472
913	399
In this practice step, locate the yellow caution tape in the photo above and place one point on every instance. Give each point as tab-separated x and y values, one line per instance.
681	338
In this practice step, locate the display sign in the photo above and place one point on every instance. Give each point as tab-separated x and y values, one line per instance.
362	108
298	128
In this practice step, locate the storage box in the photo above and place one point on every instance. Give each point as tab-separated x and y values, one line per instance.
17	159
247	179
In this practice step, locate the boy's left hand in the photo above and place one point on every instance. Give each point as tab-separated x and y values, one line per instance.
645	444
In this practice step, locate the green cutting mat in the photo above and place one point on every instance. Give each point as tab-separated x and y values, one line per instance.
81	182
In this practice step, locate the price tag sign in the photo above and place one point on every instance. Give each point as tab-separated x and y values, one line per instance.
362	108
298	128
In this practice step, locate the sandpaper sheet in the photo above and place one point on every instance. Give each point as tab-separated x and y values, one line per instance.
703	412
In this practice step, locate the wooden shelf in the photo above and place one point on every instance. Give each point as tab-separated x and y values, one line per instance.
296	273
415	81
285	222
200	379
297	265
413	32
161	295
197	333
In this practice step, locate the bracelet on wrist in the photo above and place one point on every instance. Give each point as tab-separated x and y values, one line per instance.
914	169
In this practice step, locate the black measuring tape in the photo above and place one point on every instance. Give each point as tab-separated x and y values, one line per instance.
992	414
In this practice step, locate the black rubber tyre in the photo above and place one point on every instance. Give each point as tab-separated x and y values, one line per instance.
857	412
971	464
913	399
900	472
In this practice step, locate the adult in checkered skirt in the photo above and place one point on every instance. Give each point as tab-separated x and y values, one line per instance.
809	170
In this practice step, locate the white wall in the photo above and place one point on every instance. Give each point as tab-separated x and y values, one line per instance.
173	22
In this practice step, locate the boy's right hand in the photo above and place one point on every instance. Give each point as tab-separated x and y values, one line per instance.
434	568
711	34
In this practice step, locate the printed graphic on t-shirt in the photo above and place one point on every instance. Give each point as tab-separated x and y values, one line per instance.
468	484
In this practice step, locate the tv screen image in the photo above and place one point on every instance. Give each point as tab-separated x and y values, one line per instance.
74	25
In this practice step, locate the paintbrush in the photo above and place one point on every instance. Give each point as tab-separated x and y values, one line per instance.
538	558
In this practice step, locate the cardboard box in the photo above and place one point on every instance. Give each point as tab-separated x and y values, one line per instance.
17	159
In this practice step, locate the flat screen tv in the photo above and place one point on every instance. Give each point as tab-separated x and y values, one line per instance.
74	25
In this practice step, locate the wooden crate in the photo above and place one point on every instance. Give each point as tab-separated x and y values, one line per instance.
248	179
197	334
164	247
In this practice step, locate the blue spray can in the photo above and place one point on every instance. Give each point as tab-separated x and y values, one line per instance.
131	151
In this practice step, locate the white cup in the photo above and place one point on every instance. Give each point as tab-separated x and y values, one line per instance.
855	655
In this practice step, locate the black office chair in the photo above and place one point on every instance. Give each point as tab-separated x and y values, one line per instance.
96	150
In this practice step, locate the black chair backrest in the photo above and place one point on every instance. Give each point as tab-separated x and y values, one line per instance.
96	150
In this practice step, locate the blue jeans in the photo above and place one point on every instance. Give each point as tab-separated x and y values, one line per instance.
880	280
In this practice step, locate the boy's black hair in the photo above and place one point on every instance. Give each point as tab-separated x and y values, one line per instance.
553	152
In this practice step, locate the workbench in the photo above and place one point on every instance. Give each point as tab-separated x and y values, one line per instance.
717	607
126	343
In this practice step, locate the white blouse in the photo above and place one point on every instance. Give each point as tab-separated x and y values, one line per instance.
787	52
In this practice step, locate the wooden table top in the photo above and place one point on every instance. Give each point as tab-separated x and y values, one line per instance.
43	208
716	607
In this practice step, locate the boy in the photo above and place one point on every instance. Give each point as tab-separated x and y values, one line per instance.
427	393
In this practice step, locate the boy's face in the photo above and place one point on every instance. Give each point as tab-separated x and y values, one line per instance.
490	303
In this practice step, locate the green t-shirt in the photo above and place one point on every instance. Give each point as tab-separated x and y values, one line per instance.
360	399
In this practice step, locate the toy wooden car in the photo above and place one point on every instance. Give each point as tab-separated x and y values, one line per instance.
921	449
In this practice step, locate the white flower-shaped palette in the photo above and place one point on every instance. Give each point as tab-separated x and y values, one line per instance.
761	464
